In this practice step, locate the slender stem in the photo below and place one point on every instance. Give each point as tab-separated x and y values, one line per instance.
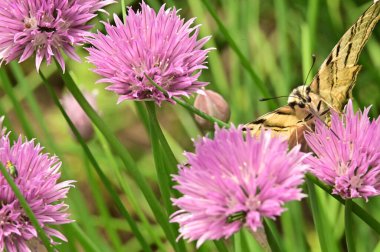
96	166
27	209
16	104
32	102
273	236
83	238
130	195
163	158
123	9
220	246
158	133
159	156
318	220
101	205
125	157
188	106
359	211
348	226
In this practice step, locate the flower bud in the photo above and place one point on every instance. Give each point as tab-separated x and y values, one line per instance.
77	115
212	104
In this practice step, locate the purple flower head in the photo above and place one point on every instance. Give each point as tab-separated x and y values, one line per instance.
44	27
350	161
36	174
233	181
161	46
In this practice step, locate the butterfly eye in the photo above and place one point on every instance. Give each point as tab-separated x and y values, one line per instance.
308	99
308	89
292	104
301	105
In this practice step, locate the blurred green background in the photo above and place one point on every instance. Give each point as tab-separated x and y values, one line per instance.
274	38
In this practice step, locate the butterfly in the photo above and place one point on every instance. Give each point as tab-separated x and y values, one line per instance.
330	88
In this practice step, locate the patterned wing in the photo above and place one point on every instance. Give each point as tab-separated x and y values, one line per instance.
337	75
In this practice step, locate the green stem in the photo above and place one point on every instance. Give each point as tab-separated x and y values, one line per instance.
123	9
318	220
124	156
130	195
96	166
189	107
348	226
162	173
220	246
272	235
27	209
161	163
158	133
17	105
359	211
31	100
82	237
102	207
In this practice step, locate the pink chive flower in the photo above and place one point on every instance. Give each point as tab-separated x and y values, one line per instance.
235	180
160	45
36	175
44	27
350	161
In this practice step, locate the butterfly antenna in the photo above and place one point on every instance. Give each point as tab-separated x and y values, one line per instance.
318	116
271	98
312	65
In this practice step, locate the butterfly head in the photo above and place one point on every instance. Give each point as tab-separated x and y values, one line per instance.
300	97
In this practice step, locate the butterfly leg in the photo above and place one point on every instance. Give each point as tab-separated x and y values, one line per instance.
308	117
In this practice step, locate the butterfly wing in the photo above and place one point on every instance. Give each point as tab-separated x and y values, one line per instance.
333	82
285	123
337	75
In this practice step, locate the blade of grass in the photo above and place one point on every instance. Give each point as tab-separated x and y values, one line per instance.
220	246
318	219
124	155
360	212
96	166
26	126
71	239
33	81
349	226
272	235
81	213
83	239
31	100
164	166
7	124
163	173
238	243
129	193
41	233
283	46
172	161
26	89
102	207
312	16
243	60
293	228
215	61
251	242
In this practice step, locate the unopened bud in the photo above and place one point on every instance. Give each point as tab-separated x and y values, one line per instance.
214	105
77	115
